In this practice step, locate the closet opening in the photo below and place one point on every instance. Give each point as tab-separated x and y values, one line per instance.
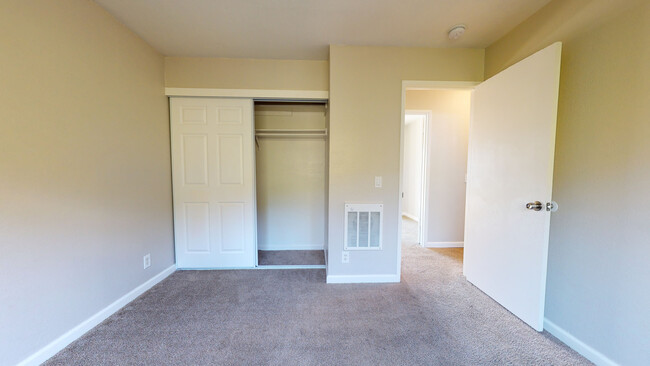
291	150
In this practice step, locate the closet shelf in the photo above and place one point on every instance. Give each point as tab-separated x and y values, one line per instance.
291	133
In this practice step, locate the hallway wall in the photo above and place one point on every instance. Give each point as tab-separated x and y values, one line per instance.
412	169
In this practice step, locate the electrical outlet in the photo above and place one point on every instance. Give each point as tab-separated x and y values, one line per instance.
146	261
346	257
378	182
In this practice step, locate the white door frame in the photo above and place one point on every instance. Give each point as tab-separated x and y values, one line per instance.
424	173
418	85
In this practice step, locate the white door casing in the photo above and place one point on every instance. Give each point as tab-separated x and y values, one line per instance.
511	152
213	182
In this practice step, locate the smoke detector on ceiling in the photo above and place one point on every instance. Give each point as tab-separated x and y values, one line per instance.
456	31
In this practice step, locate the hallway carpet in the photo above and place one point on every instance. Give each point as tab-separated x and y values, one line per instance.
291	317
410	238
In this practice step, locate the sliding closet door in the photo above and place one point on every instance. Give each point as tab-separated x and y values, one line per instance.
213	180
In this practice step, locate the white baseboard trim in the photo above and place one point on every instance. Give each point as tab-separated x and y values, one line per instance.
294	247
445	244
579	346
391	278
412	217
73	334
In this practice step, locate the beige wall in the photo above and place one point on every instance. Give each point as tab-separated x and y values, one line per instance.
84	166
290	178
559	20
365	119
228	73
597	286
448	131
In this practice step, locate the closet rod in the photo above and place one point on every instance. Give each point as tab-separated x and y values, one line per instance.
286	131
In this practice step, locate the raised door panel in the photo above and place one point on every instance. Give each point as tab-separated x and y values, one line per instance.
194	115
194	152
230	115
231	159
197	227
232	225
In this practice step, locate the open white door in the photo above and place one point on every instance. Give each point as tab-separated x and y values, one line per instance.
213	182
510	163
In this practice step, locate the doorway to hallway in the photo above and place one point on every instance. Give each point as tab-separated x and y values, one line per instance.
436	124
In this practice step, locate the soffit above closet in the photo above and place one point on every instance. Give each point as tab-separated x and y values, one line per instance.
303	29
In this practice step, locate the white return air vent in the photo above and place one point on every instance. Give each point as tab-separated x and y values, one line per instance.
363	226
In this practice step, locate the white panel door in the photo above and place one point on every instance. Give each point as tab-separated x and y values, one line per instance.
510	163
213	178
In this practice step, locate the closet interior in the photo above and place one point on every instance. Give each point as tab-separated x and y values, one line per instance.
291	149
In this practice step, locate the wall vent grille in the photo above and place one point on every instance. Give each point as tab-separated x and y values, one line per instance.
363	226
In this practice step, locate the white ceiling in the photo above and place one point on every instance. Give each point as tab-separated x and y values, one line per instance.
303	29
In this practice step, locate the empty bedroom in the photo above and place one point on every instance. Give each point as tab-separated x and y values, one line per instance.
370	182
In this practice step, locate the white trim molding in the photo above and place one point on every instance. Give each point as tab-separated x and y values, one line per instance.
73	334
389	278
445	244
249	93
579	346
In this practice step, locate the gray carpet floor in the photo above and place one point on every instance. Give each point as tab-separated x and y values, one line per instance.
290	257
292	317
